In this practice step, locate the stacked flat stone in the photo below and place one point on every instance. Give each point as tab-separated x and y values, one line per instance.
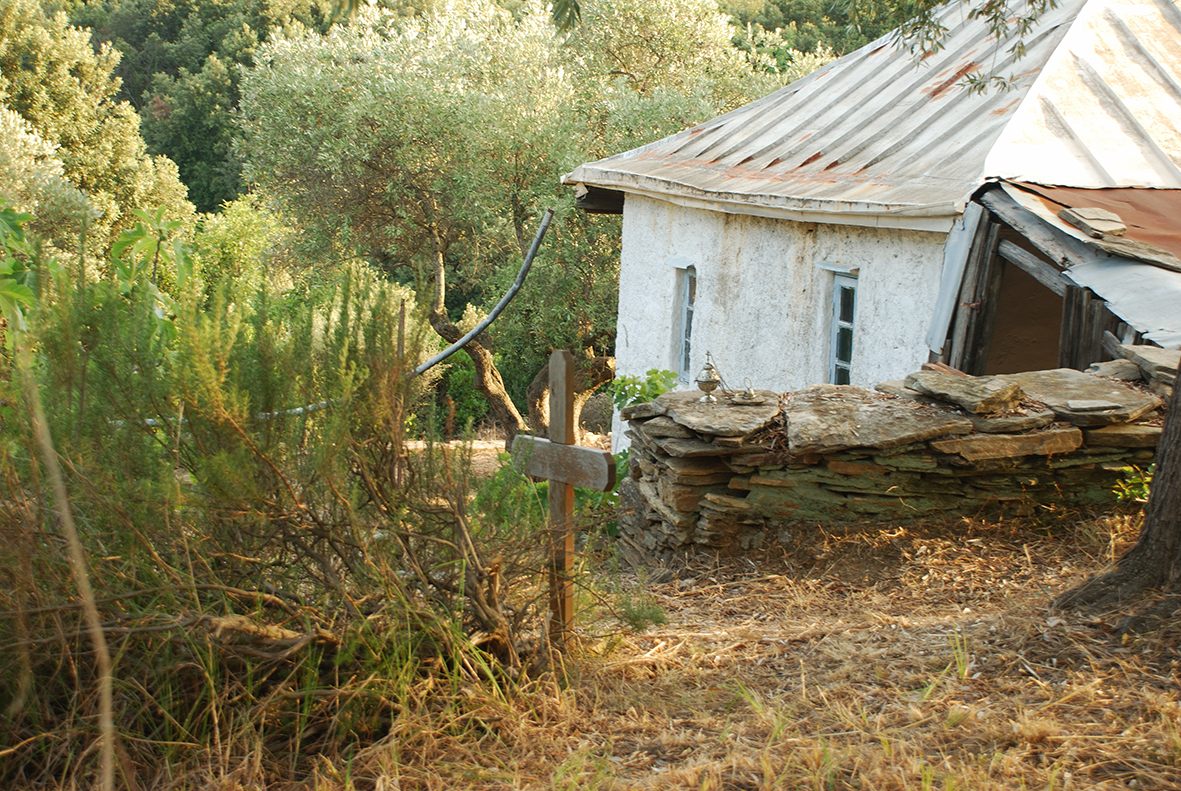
1155	366
717	476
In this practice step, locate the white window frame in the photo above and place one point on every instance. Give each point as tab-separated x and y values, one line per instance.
835	364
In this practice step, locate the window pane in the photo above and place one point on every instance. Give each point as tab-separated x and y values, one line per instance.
847	304
845	345
842	376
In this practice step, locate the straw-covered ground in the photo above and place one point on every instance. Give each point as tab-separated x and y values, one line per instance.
903	658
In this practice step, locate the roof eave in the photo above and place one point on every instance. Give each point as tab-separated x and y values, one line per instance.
934	217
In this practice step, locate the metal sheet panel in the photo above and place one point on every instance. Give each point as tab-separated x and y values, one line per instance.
878	136
1146	297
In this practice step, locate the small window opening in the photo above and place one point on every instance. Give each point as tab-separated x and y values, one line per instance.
844	304
688	298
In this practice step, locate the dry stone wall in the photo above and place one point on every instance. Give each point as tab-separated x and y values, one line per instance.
731	475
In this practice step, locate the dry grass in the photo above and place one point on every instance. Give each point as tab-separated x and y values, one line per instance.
895	659
917	657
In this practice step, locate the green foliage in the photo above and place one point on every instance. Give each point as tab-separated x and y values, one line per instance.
55	80
15	294
639	611
628	390
240	244
237	470
179	70
1136	485
807	26
462	406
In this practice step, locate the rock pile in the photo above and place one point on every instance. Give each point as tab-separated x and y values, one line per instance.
720	476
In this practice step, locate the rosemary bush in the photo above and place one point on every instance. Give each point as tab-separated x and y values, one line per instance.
273	568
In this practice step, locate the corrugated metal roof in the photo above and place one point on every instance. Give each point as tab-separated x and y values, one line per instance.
876	138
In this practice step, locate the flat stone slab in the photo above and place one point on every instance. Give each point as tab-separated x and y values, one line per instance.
695	467
720	419
1124	435
977	394
1125	370
663	426
1153	360
690	448
1009	446
641	411
898	388
1057	388
1090	405
1012	424
828	418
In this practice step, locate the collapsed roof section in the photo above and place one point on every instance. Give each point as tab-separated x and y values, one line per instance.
1136	270
882	138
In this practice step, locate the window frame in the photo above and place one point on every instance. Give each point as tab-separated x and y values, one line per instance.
836	364
687	305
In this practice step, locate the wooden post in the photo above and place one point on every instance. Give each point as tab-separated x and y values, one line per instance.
565	465
561	494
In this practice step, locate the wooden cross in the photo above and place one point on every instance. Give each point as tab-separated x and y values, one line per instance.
565	465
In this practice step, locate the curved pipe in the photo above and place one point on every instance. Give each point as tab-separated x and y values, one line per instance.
500	306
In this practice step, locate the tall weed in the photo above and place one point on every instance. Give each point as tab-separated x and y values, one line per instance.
274	570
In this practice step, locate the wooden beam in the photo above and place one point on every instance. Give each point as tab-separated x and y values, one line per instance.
1059	247
1067	332
589	468
1042	272
967	303
989	295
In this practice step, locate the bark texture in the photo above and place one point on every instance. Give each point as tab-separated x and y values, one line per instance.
487	378
590	373
1155	561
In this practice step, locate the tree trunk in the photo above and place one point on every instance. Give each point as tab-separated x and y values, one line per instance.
487	378
1155	560
589	375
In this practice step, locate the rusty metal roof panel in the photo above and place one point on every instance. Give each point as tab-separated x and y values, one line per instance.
878	137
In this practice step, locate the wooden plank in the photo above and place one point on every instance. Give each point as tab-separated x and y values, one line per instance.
561	495
1066	330
1099	319
966	303
1059	247
990	296
1042	272
589	468
955	258
1082	329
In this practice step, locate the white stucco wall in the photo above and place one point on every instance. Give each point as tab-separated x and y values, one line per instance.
764	307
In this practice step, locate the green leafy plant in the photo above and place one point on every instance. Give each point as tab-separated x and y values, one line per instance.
1135	485
627	390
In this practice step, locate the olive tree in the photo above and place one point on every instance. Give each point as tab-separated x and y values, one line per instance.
428	146
53	78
